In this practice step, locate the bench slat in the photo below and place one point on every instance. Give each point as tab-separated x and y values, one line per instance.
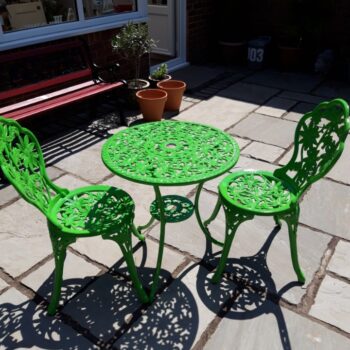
85	73
45	97
45	106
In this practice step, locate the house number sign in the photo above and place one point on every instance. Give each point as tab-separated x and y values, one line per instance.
255	54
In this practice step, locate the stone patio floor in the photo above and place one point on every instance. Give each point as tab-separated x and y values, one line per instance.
99	309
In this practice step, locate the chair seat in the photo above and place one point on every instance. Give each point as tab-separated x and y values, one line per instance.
258	192
92	210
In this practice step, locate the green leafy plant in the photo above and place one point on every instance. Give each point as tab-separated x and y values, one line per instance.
132	42
160	72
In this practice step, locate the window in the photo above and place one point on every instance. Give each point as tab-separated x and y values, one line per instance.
32	21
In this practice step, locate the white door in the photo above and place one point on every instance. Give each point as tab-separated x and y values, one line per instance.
162	25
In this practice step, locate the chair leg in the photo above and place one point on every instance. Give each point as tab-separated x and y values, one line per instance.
214	214
59	245
277	221
292	221
233	220
124	242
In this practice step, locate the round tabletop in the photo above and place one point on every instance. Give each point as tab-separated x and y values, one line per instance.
170	153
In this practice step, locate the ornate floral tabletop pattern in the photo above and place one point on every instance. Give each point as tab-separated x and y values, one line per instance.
170	153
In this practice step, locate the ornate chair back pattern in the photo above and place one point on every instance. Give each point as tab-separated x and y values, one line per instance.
319	142
22	162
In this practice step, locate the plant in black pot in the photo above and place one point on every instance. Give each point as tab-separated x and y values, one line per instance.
302	35
159	74
232	33
132	42
290	49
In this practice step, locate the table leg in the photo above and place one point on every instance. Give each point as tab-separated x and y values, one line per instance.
149	223
212	217
155	280
137	232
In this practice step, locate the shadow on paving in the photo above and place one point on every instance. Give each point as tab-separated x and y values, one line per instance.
103	309
256	292
26	325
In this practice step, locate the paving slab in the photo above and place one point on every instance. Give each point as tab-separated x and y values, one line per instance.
285	80
242	143
263	151
3	284
276	107
244	163
24	237
76	274
248	92
220	112
71	182
8	194
332	303
340	261
188	237
334	89
277	329
296	96
86	164
179	316
25	325
326	206
341	170
299	110
251	237
287	156
104	306
195	76
53	172
266	129
108	253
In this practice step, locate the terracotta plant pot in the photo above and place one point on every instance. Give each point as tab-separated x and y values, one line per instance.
175	90
151	102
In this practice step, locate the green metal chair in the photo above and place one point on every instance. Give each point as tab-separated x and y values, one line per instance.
319	142
84	212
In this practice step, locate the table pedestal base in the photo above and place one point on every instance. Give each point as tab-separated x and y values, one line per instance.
176	208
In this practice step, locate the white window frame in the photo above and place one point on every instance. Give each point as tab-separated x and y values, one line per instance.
11	40
180	60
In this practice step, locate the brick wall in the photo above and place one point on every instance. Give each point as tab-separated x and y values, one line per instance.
201	30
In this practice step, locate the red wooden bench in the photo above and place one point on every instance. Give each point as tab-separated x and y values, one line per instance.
37	80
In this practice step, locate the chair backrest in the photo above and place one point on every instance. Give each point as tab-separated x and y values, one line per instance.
319	142
22	163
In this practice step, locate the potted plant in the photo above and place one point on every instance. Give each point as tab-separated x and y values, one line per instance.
290	50
231	24
132	42
161	73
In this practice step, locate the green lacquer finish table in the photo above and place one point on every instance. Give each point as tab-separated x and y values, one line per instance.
170	153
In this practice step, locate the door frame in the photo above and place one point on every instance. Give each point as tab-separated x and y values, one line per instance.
180	45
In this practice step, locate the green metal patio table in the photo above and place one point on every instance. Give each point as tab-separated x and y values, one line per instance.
170	153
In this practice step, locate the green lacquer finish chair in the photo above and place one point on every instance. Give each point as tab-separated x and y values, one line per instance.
319	142
83	212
